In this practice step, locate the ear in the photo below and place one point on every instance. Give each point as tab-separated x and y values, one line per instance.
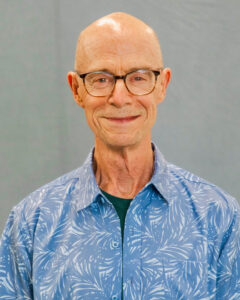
164	81
74	86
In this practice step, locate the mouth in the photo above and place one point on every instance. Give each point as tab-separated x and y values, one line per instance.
120	120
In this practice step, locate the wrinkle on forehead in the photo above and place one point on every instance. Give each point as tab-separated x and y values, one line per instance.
118	29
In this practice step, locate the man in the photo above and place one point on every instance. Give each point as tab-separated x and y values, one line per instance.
126	224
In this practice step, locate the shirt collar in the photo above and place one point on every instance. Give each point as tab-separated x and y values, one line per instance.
160	178
86	190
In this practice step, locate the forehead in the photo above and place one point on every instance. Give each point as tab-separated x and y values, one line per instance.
118	53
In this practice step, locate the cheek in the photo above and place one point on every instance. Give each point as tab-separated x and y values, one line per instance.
92	108
152	115
150	108
89	113
92	120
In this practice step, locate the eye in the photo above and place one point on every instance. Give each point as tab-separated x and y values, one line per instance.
98	80
101	80
138	78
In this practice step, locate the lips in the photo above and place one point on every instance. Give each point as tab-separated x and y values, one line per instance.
122	119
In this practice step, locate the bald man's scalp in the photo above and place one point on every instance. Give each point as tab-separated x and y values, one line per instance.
114	27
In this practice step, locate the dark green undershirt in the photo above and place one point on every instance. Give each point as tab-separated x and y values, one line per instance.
121	205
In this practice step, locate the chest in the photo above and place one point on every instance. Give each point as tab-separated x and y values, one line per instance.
163	255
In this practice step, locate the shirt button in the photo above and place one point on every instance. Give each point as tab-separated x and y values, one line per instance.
114	297
115	244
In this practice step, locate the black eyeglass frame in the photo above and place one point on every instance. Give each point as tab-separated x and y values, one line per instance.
116	77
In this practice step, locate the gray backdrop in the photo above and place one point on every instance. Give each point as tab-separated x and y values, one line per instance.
43	132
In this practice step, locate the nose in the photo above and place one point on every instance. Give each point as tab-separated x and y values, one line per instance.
120	95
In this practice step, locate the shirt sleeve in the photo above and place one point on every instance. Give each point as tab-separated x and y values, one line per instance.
15	259
228	266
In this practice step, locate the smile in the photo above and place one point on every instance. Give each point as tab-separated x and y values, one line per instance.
122	119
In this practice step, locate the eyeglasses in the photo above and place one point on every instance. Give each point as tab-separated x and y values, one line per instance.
139	82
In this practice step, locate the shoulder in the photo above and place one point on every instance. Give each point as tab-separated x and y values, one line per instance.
186	189
205	198
47	199
54	201
198	187
56	188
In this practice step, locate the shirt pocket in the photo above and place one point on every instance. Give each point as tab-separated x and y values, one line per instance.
185	279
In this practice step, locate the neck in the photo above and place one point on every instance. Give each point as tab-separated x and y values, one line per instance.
124	171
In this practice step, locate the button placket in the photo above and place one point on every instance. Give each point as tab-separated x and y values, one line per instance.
132	248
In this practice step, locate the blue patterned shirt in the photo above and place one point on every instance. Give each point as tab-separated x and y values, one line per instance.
181	241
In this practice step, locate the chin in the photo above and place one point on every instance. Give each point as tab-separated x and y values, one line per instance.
120	141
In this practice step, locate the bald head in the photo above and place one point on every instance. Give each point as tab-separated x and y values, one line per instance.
117	29
121	113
